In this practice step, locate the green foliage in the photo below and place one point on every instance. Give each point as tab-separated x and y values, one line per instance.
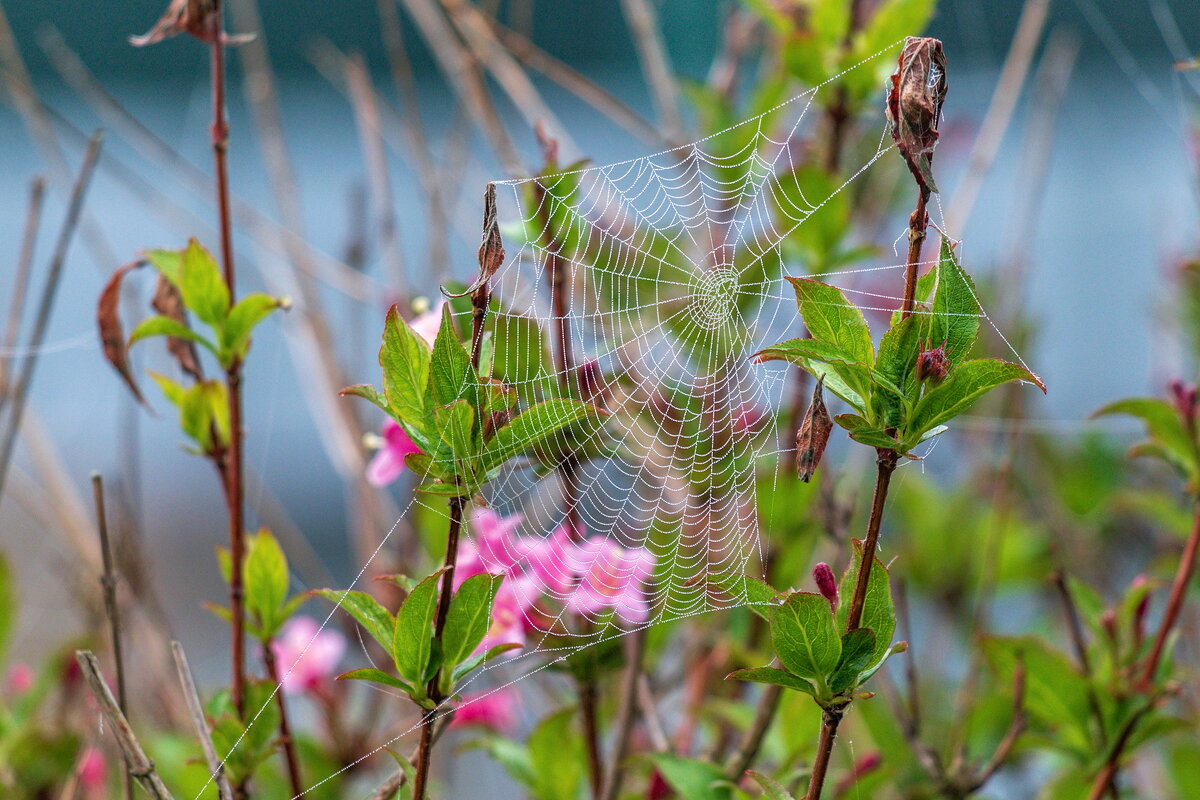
250	742
449	410
1171	437
693	778
408	635
893	409
550	765
816	658
265	581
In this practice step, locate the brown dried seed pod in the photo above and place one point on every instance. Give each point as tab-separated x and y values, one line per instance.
914	105
813	434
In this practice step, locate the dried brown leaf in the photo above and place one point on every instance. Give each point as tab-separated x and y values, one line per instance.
914	105
168	302
813	435
112	333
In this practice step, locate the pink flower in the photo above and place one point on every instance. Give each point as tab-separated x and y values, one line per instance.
551	560
496	710
612	577
92	771
492	547
20	679
388	463
514	598
426	324
306	654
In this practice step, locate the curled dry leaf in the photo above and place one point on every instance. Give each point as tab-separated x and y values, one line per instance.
168	302
491	245
914	105
197	17
112	333
813	434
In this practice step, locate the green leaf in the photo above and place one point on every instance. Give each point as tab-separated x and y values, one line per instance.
693	779
266	579
966	383
167	262
898	351
412	640
375	676
955	315
452	376
803	636
165	326
367	612
366	392
771	675
855	373
879	613
772	790
1165	427
243	318
203	286
1056	694
832	318
862	431
556	755
446	489
858	653
455	426
405	360
533	427
469	618
463	669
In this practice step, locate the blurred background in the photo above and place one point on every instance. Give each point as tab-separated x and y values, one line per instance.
1101	236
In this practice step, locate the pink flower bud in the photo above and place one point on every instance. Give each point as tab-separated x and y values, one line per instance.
20	679
932	365
826	584
1184	397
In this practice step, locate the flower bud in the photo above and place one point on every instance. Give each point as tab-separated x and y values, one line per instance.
826	584
914	105
932	365
1184	397
813	434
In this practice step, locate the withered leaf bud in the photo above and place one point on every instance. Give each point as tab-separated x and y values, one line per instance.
813	434
914	105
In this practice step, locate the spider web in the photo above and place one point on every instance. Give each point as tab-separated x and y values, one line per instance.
672	270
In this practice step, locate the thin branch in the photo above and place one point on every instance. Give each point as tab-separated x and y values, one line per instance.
747	750
286	740
196	711
108	583
656	64
387	790
1179	587
140	767
20	287
46	304
650	717
1000	112
1015	728
635	650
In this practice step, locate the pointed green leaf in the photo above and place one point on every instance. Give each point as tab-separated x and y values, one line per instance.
966	383
243	318
469	618
803	636
802	352
267	580
455	424
202	285
858	653
955	315
1164	426
758	595
165	326
879	613
862	431
452	375
405	360
556	755
412	640
775	676
366	392
367	611
533	427
692	778
830	317
375	676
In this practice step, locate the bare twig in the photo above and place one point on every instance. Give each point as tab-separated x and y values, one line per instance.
635	649
108	582
140	767
196	711
20	287
1000	111
1015	728
46	304
650	717
287	742
656	65
577	84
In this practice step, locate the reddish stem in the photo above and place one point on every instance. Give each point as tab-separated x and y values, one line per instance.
285	728
1183	577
